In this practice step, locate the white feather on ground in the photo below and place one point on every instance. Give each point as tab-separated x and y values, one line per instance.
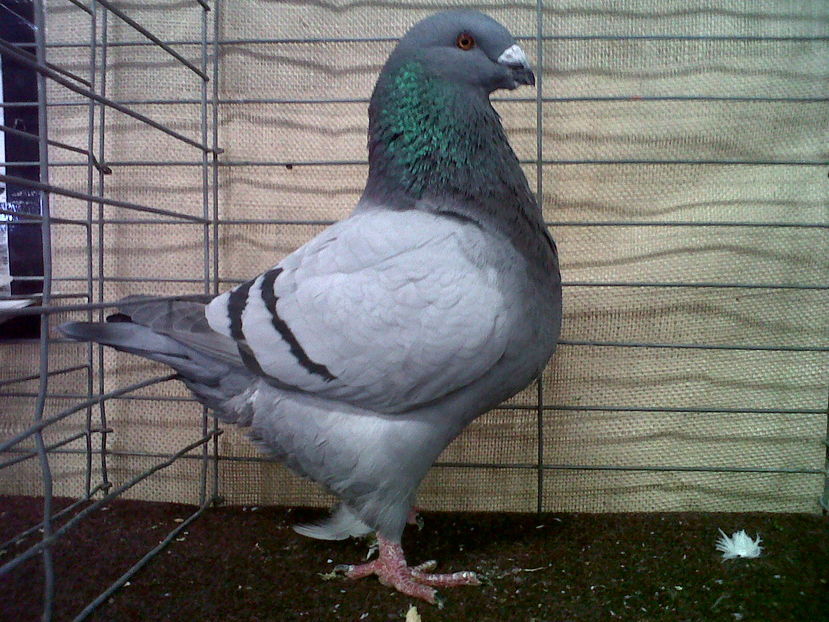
739	544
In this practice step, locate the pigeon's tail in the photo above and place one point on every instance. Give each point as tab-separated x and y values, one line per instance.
342	524
176	333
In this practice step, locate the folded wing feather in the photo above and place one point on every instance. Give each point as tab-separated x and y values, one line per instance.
382	318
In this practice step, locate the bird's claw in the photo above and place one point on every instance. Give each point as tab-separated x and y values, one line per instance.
425	566
484	579
391	569
373	548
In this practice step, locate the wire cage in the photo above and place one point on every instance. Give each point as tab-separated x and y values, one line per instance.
680	157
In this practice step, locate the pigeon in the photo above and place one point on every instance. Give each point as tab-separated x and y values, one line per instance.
361	355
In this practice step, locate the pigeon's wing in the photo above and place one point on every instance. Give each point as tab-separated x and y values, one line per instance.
183	320
385	310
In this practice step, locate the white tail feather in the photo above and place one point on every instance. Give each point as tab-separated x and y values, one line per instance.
342	524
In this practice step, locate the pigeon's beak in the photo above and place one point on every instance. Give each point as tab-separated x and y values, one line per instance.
516	61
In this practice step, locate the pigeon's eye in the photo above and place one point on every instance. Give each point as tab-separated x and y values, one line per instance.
465	41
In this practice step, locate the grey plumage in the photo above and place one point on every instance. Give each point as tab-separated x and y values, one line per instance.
361	355
342	524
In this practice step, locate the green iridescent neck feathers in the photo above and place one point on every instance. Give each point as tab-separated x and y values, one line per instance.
441	146
430	138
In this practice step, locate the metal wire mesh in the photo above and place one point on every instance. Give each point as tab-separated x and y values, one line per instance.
85	295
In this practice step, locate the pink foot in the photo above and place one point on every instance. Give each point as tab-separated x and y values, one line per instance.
391	569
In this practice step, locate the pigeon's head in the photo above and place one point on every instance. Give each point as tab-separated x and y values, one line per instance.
465	47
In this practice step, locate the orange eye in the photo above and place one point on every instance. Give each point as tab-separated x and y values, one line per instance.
465	41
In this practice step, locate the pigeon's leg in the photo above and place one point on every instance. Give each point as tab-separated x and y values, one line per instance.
391	569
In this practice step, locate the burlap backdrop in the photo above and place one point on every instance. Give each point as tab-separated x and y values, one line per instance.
575	198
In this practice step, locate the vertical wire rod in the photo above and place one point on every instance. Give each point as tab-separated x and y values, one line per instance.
215	151
43	384
205	180
102	110
824	499
539	180
90	190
